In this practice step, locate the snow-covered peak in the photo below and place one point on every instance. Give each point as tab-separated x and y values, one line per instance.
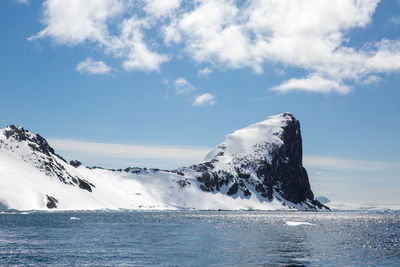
248	140
18	136
32	149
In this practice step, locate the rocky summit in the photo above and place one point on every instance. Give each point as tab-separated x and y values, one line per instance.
265	159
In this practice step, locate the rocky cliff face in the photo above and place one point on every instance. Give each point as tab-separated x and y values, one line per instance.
265	159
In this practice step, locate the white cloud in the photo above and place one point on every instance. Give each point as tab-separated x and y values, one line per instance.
205	72
212	34
204	99
313	83
161	8
395	20
182	86
77	22
73	22
23	2
340	164
132	45
372	79
307	34
122	151
386	58
90	66
171	34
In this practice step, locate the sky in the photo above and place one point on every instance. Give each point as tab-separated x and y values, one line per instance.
157	83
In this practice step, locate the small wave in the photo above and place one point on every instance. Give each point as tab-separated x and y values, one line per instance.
75	218
16	212
298	223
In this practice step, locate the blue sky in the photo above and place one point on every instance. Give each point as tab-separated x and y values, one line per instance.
173	77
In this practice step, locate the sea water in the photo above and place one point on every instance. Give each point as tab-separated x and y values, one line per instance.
200	238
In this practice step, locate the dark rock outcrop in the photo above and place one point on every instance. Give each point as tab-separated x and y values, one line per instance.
35	141
273	169
75	163
51	202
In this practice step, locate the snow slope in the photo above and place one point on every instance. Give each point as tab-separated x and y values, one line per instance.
246	141
34	177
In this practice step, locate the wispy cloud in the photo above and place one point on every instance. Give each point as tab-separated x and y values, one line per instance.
205	72
314	83
395	20
204	100
339	164
90	66
23	2
182	86
197	154
124	151
372	79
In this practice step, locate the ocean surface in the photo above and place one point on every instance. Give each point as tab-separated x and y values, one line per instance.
200	238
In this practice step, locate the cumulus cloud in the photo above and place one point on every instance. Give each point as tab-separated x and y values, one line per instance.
205	99
161	8
89	66
132	46
225	34
76	22
182	86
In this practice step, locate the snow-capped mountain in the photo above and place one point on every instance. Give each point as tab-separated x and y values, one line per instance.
258	167
264	159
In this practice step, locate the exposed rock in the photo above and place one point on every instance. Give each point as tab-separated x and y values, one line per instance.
183	183
323	200
83	184
319	205
36	142
51	202
75	163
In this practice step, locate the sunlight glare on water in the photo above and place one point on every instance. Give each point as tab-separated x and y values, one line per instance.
198	238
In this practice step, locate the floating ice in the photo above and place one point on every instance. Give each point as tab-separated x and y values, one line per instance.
298	223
